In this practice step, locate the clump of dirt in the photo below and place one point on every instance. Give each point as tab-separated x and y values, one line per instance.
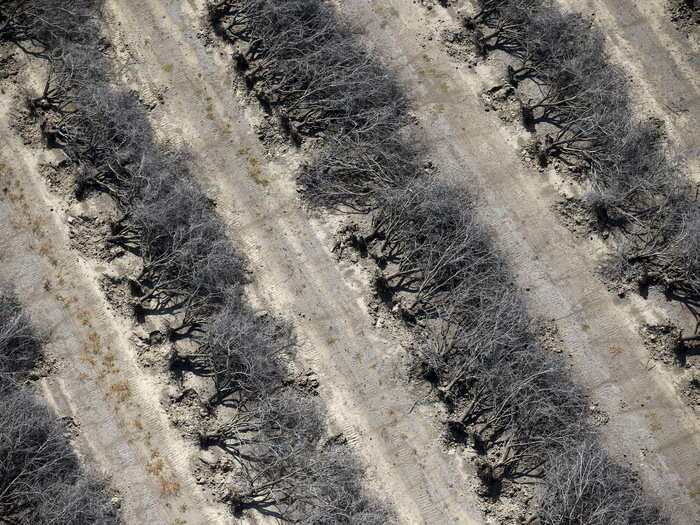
510	505
690	388
272	136
185	407
24	124
350	243
547	335
578	218
455	40
59	176
662	341
686	15
305	380
568	169
621	277
116	289
501	100
9	67
667	345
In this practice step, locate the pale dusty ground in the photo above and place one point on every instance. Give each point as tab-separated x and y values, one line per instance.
359	368
649	425
95	379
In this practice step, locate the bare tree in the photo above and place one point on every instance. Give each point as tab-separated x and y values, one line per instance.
41	480
350	170
638	187
80	500
301	59
506	20
427	238
193	273
188	262
20	344
337	492
304	63
270	430
285	468
583	485
35	25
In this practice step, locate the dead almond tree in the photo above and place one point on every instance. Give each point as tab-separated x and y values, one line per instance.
102	131
188	262
275	445
35	24
582	485
244	352
275	424
548	38
80	500
350	170
33	452
336	492
429	242
41	480
505	22
308	67
638	187
20	344
637	178
513	401
191	272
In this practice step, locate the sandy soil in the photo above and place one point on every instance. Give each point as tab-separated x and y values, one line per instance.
664	64
360	368
648	424
94	378
359	365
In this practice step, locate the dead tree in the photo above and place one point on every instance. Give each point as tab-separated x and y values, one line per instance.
20	344
243	352
188	262
266	425
514	401
41	479
274	443
504	21
429	241
350	170
303	61
192	272
35	25
582	484
81	500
